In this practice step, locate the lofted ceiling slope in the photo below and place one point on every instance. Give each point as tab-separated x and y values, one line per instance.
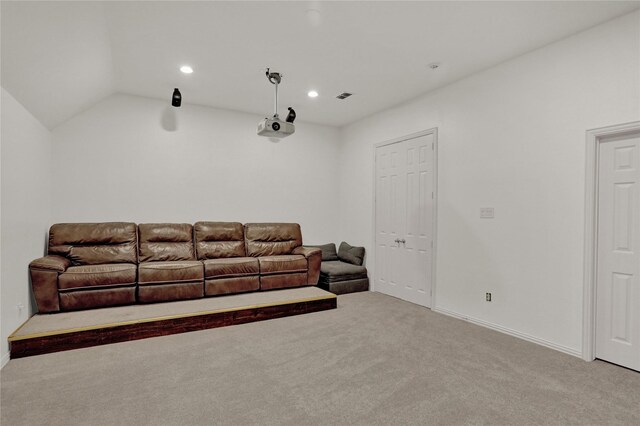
56	57
59	58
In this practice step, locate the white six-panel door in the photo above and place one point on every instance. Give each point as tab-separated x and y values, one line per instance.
404	219
618	267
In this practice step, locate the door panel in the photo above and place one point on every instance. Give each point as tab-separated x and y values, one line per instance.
618	285
405	267
389	201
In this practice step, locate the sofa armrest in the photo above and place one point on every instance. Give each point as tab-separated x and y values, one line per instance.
307	251
44	281
314	259
51	263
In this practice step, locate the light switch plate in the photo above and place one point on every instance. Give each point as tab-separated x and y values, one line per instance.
486	212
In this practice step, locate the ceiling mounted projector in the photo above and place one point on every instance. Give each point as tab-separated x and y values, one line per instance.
274	127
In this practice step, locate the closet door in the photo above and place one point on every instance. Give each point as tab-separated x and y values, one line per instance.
404	219
390	200
618	285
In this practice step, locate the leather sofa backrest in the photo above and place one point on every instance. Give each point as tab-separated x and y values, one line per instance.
219	239
94	243
165	242
269	239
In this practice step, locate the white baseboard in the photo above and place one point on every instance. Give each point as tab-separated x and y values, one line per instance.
4	360
511	332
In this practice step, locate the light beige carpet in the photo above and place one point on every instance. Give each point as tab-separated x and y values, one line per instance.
373	361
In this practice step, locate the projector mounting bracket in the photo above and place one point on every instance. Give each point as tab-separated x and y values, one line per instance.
275	78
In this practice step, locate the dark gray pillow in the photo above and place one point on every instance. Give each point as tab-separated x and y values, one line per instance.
351	254
328	251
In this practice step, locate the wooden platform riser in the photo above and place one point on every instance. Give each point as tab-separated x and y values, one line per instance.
161	327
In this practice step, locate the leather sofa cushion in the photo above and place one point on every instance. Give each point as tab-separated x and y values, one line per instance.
169	292
98	298
231	285
282	264
94	243
115	274
270	282
170	272
161	242
232	267
328	251
269	239
219	239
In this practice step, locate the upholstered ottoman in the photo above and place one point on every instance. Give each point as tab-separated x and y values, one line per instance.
342	272
340	277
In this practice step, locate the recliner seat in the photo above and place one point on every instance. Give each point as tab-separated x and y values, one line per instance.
90	265
283	261
168	269
227	268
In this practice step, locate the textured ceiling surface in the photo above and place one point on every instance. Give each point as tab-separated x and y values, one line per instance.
59	58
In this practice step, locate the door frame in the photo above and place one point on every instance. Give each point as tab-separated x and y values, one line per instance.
594	138
433	131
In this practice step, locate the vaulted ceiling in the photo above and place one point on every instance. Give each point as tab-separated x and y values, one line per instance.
59	58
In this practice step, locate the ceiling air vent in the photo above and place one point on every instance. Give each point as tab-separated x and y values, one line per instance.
344	95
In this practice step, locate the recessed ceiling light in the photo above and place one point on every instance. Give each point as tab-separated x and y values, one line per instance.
312	94
186	69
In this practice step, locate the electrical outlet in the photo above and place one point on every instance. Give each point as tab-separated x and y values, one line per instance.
486	213
20	307
488	297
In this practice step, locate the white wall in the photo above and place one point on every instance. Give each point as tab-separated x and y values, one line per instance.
511	137
26	206
137	159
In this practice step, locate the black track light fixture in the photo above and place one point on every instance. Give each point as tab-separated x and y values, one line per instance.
176	99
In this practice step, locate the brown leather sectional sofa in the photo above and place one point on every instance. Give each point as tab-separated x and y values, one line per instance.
91	265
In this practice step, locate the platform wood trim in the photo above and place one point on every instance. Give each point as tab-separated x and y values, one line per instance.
95	335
